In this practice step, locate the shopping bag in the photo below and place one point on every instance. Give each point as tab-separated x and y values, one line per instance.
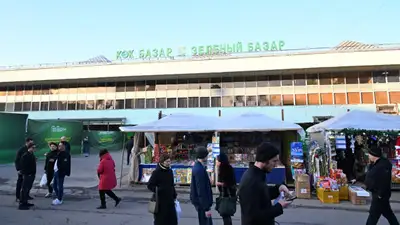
153	203
226	206
43	181
178	209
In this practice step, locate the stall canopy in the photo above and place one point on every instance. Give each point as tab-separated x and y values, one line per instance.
175	123
249	122
361	120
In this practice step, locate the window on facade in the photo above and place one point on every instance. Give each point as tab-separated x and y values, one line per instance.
172	84
62	105
2	107
227	101
130	103
205	102
394	97
171	102
44	106
326	98
11	90
193	84
351	77
161	103
140	85
239	101
312	79
53	106
110	104
379	77
27	106
262	81
10	107
54	89
150	103
71	105
150	85
73	89
120	104
227	82
46	89
140	103
274	81
263	100
287	80
161	85
182	84
275	100
90	105
353	98
288	100
325	79
215	101
29	90
18	106
301	99
63	89
299	79
100	104
216	83
313	99
238	82
367	98
80	105
340	98
193	102
19	90
251	81
204	83
182	102
338	78
251	101
3	91
120	87
365	77
381	97
393	76
130	86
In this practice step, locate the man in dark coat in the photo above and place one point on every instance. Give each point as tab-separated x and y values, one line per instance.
28	171
128	148
17	163
66	144
62	168
51	158
254	194
379	182
201	194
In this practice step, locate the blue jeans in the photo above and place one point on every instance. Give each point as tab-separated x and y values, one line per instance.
58	185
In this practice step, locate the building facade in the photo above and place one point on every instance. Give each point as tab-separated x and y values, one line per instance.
304	85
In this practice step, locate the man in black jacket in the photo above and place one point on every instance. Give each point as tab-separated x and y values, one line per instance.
66	144
201	194
379	182
28	171
17	163
51	158
62	168
254	194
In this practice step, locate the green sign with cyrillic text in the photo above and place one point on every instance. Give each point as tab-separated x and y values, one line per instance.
199	51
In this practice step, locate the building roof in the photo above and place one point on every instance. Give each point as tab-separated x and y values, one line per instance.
354	46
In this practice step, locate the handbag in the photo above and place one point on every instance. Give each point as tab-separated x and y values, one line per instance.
153	203
225	206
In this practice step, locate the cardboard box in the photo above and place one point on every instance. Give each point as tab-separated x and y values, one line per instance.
358	196
302	186
344	192
328	196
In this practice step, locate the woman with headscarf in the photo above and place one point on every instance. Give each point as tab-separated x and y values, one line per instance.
226	182
161	183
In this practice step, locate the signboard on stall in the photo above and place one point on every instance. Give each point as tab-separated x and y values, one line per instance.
297	159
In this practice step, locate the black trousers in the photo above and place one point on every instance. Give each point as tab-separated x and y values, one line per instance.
26	188
19	186
128	156
103	194
49	176
227	220
381	207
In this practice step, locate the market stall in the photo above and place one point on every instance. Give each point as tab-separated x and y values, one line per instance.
241	134
346	140
176	134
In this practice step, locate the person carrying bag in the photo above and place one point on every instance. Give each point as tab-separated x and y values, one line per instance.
153	202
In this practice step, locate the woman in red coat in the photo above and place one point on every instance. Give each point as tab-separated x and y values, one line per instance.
108	180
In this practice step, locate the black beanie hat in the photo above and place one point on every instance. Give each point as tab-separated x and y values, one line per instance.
201	152
265	152
375	151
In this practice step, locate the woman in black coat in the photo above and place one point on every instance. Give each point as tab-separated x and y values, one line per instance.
163	179
226	181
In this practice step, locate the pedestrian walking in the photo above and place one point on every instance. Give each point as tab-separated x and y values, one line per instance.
161	183
201	194
128	148
226	184
51	158
17	163
86	147
62	168
108	179
28	172
378	181
66	144
254	194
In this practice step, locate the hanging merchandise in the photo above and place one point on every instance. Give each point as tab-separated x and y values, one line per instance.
352	144
319	160
297	159
340	142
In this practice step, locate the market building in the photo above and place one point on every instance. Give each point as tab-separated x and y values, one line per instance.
300	86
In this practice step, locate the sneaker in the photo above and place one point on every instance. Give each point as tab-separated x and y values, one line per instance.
56	202
48	195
